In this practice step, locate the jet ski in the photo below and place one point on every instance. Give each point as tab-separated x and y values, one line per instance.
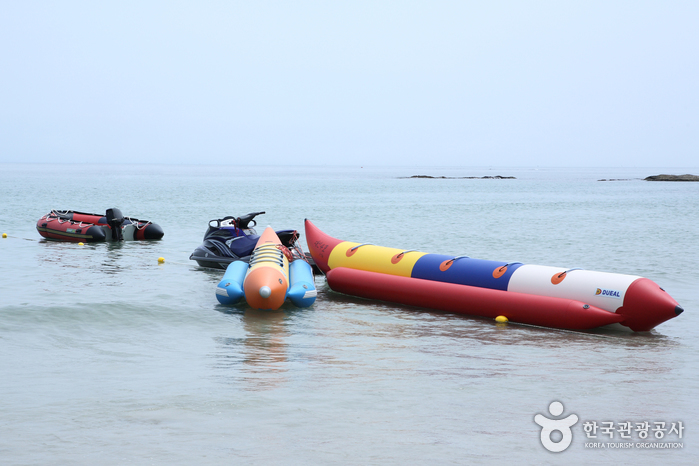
231	239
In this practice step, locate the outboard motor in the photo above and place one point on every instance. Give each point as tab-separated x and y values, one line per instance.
115	220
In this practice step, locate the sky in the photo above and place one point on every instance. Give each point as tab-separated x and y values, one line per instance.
385	83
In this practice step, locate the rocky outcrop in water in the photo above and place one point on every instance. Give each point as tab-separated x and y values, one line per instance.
619	179
672	178
496	177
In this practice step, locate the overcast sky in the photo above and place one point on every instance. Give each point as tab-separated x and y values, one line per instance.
450	83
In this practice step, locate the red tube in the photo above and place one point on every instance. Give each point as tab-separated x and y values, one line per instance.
518	307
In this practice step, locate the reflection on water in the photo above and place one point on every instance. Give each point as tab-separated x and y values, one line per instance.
108	258
63	270
260	357
492	349
468	350
353	340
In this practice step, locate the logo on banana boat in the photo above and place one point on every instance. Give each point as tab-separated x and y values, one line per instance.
608	293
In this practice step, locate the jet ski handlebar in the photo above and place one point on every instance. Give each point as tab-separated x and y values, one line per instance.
243	221
240	222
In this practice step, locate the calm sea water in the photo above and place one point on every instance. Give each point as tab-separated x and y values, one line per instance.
107	357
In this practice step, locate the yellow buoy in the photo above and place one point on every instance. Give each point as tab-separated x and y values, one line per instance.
161	260
81	244
4	235
501	319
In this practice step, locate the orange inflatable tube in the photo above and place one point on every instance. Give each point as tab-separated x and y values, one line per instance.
267	280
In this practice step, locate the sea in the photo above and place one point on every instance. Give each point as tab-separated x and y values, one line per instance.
110	357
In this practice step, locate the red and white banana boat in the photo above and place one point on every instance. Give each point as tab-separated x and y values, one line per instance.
530	294
69	225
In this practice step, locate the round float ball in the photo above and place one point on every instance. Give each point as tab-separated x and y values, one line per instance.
501	319
161	260
81	244
4	235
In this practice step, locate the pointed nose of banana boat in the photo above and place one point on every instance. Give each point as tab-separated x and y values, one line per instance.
647	305
320	245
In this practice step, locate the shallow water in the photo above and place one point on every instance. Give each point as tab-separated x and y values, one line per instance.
110	357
